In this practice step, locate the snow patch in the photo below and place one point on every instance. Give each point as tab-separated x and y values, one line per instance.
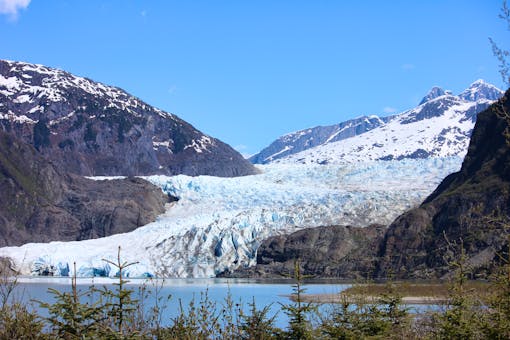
11	83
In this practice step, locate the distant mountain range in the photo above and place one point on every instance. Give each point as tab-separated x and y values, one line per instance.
439	127
89	128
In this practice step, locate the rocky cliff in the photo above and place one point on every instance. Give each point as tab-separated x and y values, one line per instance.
88	128
38	203
470	209
333	251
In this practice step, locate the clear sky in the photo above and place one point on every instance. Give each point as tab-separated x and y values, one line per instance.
249	71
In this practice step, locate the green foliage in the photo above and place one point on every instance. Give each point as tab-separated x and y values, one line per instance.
119	305
230	319
112	314
257	324
392	311
462	314
115	313
196	322
69	318
299	324
152	319
17	322
502	55
362	317
496	320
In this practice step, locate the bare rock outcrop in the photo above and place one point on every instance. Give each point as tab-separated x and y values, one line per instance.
333	251
40	204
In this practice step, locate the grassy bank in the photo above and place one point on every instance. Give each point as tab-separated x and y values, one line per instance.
441	290
409	292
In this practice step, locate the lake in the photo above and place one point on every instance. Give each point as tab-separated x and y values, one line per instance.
265	291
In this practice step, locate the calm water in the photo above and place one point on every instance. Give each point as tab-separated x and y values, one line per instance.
242	291
265	292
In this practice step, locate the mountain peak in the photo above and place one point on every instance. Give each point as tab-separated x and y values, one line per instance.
434	92
444	119
480	89
479	81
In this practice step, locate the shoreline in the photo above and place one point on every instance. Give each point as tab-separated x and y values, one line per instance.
341	298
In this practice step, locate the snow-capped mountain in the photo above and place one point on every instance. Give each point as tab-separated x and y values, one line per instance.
306	139
90	128
434	92
439	127
218	223
481	90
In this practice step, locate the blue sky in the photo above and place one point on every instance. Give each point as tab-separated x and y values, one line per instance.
249	71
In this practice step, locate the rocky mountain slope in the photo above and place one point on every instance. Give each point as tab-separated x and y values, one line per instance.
296	142
332	251
439	127
88	128
38	203
469	210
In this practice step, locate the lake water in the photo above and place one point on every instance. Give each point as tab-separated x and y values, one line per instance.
242	291
265	292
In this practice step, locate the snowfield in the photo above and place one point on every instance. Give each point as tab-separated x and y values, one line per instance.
218	223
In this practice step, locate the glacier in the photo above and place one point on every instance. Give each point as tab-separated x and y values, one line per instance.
218	223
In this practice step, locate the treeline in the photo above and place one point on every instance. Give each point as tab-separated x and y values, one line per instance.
121	313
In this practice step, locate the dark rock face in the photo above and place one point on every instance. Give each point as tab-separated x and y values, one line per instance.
88	128
470	208
39	204
334	251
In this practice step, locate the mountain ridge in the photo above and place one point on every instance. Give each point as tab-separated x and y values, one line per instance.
347	141
89	128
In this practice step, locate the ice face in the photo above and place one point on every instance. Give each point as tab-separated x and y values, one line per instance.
218	223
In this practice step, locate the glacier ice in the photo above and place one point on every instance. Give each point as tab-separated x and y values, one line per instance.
218	223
